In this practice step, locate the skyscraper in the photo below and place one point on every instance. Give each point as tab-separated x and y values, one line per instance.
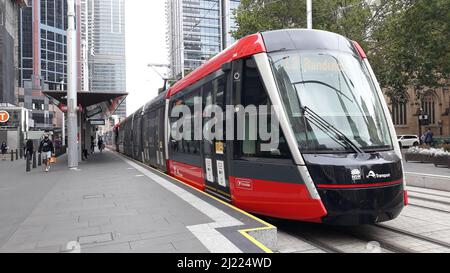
105	39
42	58
197	31
8	52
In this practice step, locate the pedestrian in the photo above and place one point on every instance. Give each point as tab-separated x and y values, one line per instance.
4	150
47	150
92	145
429	137
101	145
29	149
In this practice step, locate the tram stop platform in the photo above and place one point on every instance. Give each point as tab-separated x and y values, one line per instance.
115	205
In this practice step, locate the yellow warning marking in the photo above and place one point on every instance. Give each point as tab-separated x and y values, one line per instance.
243	232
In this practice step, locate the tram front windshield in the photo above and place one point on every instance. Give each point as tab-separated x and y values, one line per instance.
331	101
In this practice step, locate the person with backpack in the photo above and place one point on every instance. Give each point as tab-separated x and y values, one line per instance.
47	150
4	150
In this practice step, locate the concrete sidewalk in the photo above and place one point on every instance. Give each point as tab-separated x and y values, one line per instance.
114	205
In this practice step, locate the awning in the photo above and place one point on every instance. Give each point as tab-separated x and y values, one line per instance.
96	103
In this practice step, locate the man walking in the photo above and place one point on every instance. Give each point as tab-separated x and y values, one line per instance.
47	150
429	137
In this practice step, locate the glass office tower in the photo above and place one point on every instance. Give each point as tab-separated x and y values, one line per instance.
106	42
42	57
197	31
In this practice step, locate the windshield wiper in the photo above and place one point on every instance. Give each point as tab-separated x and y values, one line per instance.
328	126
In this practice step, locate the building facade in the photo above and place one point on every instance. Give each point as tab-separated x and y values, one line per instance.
435	104
42	59
8	49
104	21
197	31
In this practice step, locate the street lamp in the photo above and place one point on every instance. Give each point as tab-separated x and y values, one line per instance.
420	118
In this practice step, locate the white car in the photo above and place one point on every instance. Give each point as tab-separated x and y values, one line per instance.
407	141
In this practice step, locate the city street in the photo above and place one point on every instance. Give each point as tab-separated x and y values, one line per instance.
122	211
212	127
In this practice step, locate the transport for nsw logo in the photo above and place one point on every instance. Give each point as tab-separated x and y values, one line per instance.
356	174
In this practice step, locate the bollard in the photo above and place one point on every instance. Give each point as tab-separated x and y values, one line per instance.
40	160
12	155
28	163
17	154
34	160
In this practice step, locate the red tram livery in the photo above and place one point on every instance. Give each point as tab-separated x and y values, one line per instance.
338	161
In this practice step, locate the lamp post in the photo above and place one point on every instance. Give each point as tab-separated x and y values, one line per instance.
420	123
309	14
72	118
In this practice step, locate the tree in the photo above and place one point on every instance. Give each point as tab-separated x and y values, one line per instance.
411	47
407	41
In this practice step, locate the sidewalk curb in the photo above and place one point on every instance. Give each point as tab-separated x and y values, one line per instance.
434	182
265	237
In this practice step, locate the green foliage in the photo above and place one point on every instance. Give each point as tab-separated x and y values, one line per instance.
407	41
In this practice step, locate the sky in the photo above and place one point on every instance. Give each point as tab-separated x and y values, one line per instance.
145	24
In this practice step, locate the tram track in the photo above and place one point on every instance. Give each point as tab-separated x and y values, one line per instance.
414	235
319	244
384	244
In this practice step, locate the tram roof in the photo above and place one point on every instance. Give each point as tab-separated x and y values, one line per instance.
249	45
269	41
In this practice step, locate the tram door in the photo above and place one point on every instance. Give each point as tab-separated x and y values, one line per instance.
159	138
214	152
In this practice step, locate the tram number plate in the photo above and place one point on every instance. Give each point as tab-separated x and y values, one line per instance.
209	170
221	173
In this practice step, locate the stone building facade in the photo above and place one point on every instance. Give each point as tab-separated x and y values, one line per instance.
435	104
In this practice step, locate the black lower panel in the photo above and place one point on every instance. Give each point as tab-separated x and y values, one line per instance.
362	206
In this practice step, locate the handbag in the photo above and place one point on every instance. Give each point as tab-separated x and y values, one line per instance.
53	160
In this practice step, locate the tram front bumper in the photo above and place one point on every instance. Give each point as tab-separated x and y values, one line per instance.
361	206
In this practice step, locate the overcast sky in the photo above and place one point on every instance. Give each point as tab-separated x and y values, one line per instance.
145	43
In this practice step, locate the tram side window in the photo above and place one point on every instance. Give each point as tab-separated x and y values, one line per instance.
254	94
186	146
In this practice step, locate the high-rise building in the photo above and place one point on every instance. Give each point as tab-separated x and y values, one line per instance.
104	21
197	31
42	58
8	49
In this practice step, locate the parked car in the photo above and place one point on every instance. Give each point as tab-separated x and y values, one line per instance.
407	141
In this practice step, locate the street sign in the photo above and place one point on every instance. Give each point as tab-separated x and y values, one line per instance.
4	117
100	122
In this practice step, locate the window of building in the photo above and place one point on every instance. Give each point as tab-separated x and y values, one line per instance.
429	108
399	115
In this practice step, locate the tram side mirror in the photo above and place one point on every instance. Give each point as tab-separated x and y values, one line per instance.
226	67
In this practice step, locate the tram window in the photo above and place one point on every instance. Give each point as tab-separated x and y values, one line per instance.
254	93
186	146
